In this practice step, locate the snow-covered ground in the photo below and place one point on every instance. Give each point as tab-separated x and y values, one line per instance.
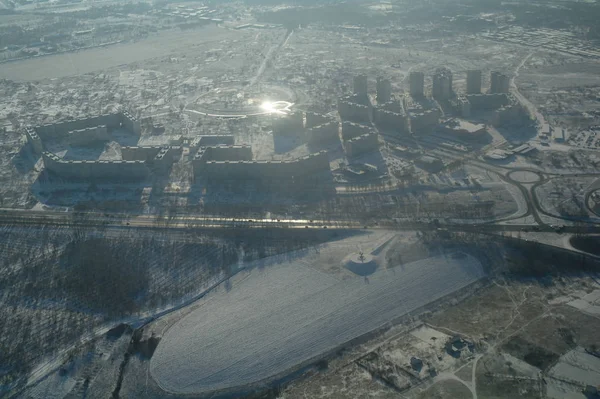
574	371
279	317
566	197
589	304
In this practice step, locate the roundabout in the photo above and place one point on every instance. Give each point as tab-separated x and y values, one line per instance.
525	176
592	201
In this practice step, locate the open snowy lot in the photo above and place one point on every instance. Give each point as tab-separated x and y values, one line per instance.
575	370
282	316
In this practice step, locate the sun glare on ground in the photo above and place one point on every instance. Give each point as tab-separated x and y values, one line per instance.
268	106
276	107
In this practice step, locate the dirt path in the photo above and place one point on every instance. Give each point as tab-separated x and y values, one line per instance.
268	57
474	377
444	376
499	342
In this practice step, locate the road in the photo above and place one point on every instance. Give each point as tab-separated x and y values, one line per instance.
268	57
528	104
528	190
191	222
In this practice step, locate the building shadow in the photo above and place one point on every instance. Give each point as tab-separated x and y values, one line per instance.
283	144
518	133
89	152
85	194
124	138
374	158
24	161
332	147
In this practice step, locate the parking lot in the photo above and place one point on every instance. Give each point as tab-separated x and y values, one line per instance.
586	138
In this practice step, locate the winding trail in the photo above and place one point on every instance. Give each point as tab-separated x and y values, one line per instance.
474	377
268	56
445	376
528	104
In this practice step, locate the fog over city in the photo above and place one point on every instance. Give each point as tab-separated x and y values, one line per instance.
271	199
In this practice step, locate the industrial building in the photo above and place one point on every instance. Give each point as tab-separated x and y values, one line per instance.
417	84
499	82
442	84
474	81
384	90
545	131
558	134
362	144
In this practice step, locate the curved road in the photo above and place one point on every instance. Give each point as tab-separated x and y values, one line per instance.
528	104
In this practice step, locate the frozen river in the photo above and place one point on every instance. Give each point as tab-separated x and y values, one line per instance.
287	314
101	58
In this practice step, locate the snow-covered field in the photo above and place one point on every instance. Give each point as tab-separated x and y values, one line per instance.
565	197
589	304
575	370
282	316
